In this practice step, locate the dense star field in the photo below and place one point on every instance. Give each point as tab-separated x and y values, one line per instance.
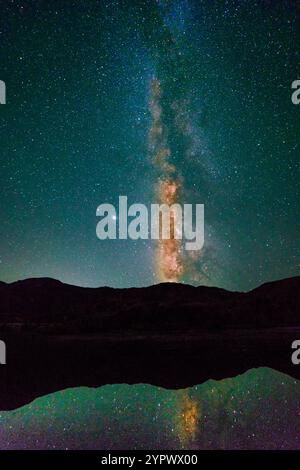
76	128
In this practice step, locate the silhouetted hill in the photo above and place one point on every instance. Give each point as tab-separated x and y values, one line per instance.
53	307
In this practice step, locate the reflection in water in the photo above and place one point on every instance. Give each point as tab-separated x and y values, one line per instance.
256	410
189	417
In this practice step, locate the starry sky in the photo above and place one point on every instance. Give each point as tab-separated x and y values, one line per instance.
74	134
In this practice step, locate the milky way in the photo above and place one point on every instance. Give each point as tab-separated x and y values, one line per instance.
75	134
169	263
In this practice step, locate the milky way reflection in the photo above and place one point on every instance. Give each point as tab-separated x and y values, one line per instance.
259	409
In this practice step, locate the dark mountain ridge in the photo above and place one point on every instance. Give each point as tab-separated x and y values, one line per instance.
71	309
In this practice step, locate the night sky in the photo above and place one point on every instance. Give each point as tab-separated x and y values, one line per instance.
75	129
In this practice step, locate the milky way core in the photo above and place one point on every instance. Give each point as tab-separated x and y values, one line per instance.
168	260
